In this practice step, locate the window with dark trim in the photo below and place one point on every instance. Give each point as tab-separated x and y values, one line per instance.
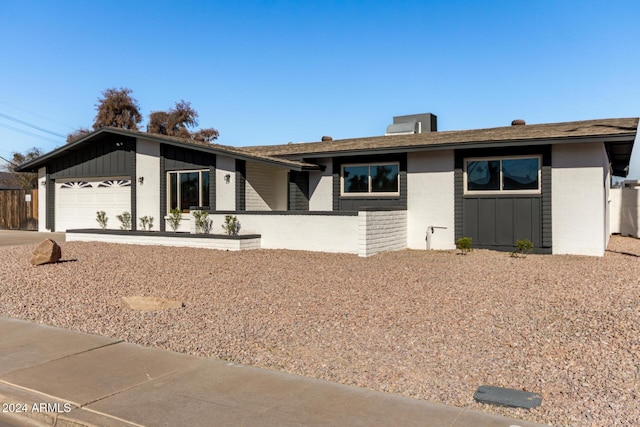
370	179
502	175
187	188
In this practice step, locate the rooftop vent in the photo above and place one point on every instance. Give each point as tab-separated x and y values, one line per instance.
327	138
415	123
518	122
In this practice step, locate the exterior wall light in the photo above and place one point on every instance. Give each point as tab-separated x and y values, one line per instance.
227	178
141	180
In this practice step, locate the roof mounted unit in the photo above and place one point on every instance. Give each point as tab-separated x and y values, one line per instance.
415	123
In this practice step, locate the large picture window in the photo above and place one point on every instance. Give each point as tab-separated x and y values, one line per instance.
508	174
368	179
187	188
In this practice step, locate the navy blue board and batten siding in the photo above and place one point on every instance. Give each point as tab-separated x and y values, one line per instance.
298	199
355	203
496	221
113	156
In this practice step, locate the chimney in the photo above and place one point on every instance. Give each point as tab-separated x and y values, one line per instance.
415	123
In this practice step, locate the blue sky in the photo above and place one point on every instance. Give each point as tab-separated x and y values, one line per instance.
272	72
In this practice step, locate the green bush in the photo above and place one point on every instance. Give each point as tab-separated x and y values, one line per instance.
203	222
231	225
523	247
146	223
464	245
175	216
101	217
125	221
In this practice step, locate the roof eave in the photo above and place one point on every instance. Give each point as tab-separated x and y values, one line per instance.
462	145
33	165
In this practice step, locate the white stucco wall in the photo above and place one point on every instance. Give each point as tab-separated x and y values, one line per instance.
147	193
225	192
321	233
321	187
625	211
42	200
266	187
430	199
578	199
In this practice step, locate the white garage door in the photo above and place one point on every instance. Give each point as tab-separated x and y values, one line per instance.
78	201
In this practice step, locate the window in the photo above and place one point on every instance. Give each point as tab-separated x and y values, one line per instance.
378	178
509	174
188	188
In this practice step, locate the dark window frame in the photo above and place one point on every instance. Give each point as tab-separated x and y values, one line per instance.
203	191
369	192
501	189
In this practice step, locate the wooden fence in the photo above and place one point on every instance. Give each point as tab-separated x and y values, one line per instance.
19	209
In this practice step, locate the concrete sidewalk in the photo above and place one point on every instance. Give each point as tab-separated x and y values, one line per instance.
23	237
57	377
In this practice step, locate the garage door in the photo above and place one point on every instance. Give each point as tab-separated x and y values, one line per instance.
78	201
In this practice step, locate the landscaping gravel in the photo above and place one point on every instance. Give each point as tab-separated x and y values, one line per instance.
431	325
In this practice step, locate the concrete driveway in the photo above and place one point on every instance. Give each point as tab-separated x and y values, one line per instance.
21	237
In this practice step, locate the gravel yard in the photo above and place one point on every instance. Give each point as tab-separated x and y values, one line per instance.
430	325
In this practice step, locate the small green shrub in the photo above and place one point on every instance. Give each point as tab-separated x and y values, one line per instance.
203	222
464	245
523	248
125	221
101	217
146	223
175	216
231	225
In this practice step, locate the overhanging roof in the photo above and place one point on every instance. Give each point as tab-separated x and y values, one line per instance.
617	134
218	149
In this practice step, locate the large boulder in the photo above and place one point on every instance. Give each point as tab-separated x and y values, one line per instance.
46	252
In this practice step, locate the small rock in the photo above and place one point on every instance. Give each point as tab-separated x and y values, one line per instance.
151	303
48	251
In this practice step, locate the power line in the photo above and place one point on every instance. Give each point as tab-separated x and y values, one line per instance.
31	125
25	132
37	115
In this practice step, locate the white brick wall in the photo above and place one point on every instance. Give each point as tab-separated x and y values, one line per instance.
380	231
208	243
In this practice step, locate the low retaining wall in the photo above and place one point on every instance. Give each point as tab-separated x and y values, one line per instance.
381	231
207	241
304	232
364	233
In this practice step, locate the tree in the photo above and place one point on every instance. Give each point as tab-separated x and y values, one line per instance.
205	135
77	134
177	121
26	180
118	109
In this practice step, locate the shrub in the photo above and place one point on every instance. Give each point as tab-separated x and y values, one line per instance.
464	245
146	223
101	217
523	247
203	222
175	216
125	221
231	225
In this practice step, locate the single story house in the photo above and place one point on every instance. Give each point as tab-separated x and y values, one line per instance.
414	187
